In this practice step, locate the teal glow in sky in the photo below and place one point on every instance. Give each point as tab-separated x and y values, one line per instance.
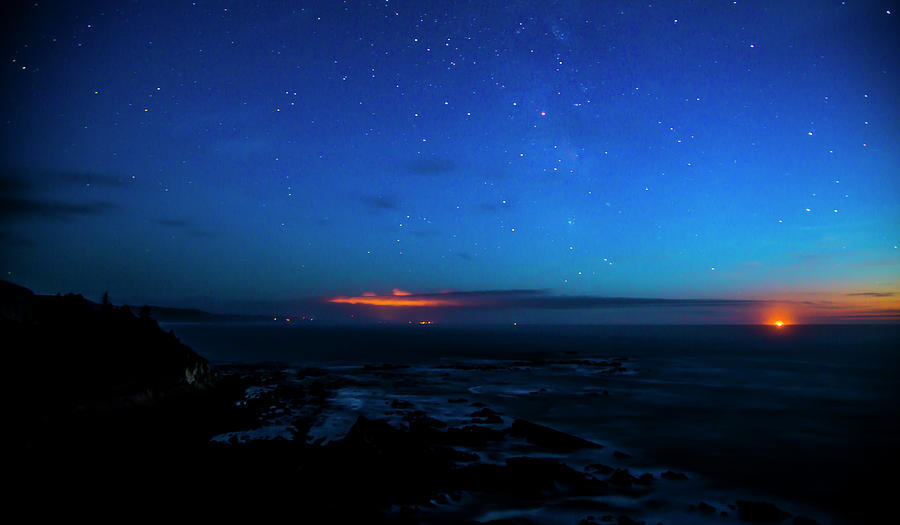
203	153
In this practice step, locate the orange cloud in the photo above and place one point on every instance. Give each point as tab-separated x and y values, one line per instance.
398	299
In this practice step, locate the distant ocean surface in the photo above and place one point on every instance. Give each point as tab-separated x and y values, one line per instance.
804	414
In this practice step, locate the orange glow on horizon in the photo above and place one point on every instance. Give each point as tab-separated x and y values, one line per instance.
779	324
404	299
397	291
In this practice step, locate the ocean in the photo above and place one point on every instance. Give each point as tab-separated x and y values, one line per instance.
804	416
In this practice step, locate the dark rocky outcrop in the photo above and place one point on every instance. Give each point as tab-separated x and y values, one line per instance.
599	468
760	512
95	381
622	478
547	437
68	353
472	436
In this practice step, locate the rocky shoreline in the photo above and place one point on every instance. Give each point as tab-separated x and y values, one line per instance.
112	412
479	466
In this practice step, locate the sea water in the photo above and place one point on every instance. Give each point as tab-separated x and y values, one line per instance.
804	414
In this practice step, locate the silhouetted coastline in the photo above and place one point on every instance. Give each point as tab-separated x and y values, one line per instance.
111	403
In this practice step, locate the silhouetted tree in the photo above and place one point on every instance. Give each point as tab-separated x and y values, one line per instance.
105	299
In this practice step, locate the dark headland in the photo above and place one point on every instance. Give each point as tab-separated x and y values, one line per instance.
109	411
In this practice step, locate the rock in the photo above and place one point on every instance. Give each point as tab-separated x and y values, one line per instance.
400	404
645	479
484	412
492	420
487	416
548	438
71	354
803	520
472	435
622	478
462	456
544	468
373	436
621	455
760	512
384	367
705	507
625	520
458	400
379	463
599	468
524	476
673	475
421	421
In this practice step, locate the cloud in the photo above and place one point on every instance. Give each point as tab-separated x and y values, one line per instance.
90	179
433	166
11	239
380	203
173	223
9	183
18	199
12	180
871	294
529	299
192	230
12	207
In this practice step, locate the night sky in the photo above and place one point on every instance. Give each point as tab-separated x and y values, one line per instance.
705	161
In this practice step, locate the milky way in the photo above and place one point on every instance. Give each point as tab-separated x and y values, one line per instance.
204	153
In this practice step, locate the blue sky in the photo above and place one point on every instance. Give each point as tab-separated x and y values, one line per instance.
213	152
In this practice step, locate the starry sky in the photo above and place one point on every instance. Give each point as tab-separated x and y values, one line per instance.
609	161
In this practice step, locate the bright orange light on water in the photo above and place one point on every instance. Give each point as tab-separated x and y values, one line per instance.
779	324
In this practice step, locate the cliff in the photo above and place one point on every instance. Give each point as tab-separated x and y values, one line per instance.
65	353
